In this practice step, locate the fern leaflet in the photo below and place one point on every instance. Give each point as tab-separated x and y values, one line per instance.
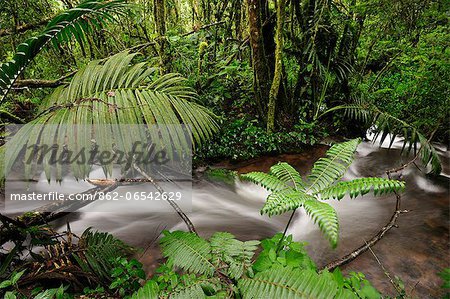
188	251
287	174
361	186
287	283
327	170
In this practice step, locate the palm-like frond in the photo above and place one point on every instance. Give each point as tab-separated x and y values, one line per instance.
188	251
386	123
75	22
113	92
327	170
287	283
361	186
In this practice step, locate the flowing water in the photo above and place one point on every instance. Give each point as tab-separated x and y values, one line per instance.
415	251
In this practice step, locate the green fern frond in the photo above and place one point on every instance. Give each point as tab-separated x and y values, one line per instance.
283	283
97	251
287	174
328	170
188	251
386	123
267	181
235	254
282	201
362	186
149	291
192	289
75	22
114	92
325	216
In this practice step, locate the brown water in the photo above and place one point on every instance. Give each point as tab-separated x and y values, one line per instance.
415	251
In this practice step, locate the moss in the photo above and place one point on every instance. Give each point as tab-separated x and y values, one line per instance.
221	175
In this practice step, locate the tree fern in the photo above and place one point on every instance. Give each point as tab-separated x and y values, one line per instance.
75	22
386	123
287	283
290	192
113	92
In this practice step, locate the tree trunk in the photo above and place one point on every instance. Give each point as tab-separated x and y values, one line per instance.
161	40
278	67
260	67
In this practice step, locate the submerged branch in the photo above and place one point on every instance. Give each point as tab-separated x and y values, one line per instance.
177	209
355	253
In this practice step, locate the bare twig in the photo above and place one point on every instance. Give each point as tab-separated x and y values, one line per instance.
177	209
203	27
386	272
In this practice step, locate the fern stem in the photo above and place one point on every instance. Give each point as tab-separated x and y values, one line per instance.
285	230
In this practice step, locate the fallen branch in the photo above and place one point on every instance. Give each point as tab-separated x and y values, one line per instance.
355	253
25	27
36	83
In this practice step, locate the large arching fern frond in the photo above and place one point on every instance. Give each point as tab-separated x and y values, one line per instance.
75	22
283	181
386	124
266	180
287	283
104	95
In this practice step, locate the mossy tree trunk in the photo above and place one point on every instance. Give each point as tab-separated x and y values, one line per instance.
161	39
274	89
261	84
